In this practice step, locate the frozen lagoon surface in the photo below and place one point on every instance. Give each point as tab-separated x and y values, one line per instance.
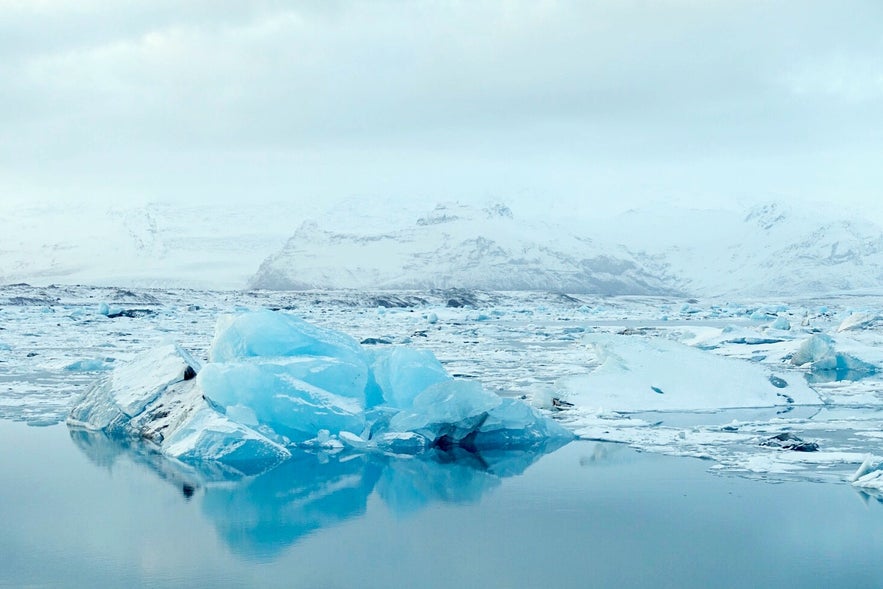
710	379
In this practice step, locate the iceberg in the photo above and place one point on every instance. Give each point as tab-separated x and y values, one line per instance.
275	382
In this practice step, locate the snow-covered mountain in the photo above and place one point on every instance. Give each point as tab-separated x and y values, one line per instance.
770	250
456	246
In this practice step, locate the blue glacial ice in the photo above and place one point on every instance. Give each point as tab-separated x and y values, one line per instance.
275	382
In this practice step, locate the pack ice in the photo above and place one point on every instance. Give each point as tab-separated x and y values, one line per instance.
274	381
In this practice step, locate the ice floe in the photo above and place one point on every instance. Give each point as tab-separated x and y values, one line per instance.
637	373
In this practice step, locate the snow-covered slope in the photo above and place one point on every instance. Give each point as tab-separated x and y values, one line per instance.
457	246
160	245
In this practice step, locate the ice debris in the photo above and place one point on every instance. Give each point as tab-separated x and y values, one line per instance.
275	382
781	323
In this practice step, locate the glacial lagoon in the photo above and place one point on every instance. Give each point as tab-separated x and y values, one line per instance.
80	509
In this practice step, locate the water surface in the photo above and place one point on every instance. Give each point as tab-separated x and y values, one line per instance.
588	515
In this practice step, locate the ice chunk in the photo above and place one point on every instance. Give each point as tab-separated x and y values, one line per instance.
447	412
209	436
401	442
812	349
858	321
268	333
403	373
126	391
107	310
154	397
88	366
759	315
870	464
514	423
284	404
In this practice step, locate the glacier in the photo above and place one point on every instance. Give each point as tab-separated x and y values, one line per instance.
275	382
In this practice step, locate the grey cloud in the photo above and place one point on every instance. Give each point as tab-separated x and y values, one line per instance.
491	90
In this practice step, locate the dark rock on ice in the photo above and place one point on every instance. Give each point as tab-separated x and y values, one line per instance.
560	404
779	383
755	341
788	441
396	302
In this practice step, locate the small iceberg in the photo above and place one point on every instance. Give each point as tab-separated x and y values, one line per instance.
275	382
869	476
825	363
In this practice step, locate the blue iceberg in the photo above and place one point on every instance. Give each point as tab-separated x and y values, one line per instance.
275	382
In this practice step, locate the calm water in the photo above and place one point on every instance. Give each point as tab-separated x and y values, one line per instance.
81	511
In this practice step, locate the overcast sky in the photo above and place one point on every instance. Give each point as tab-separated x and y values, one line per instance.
551	105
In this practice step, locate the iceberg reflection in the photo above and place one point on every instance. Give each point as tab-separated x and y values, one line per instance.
259	516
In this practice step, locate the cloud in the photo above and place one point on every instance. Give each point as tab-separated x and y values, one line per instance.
338	98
